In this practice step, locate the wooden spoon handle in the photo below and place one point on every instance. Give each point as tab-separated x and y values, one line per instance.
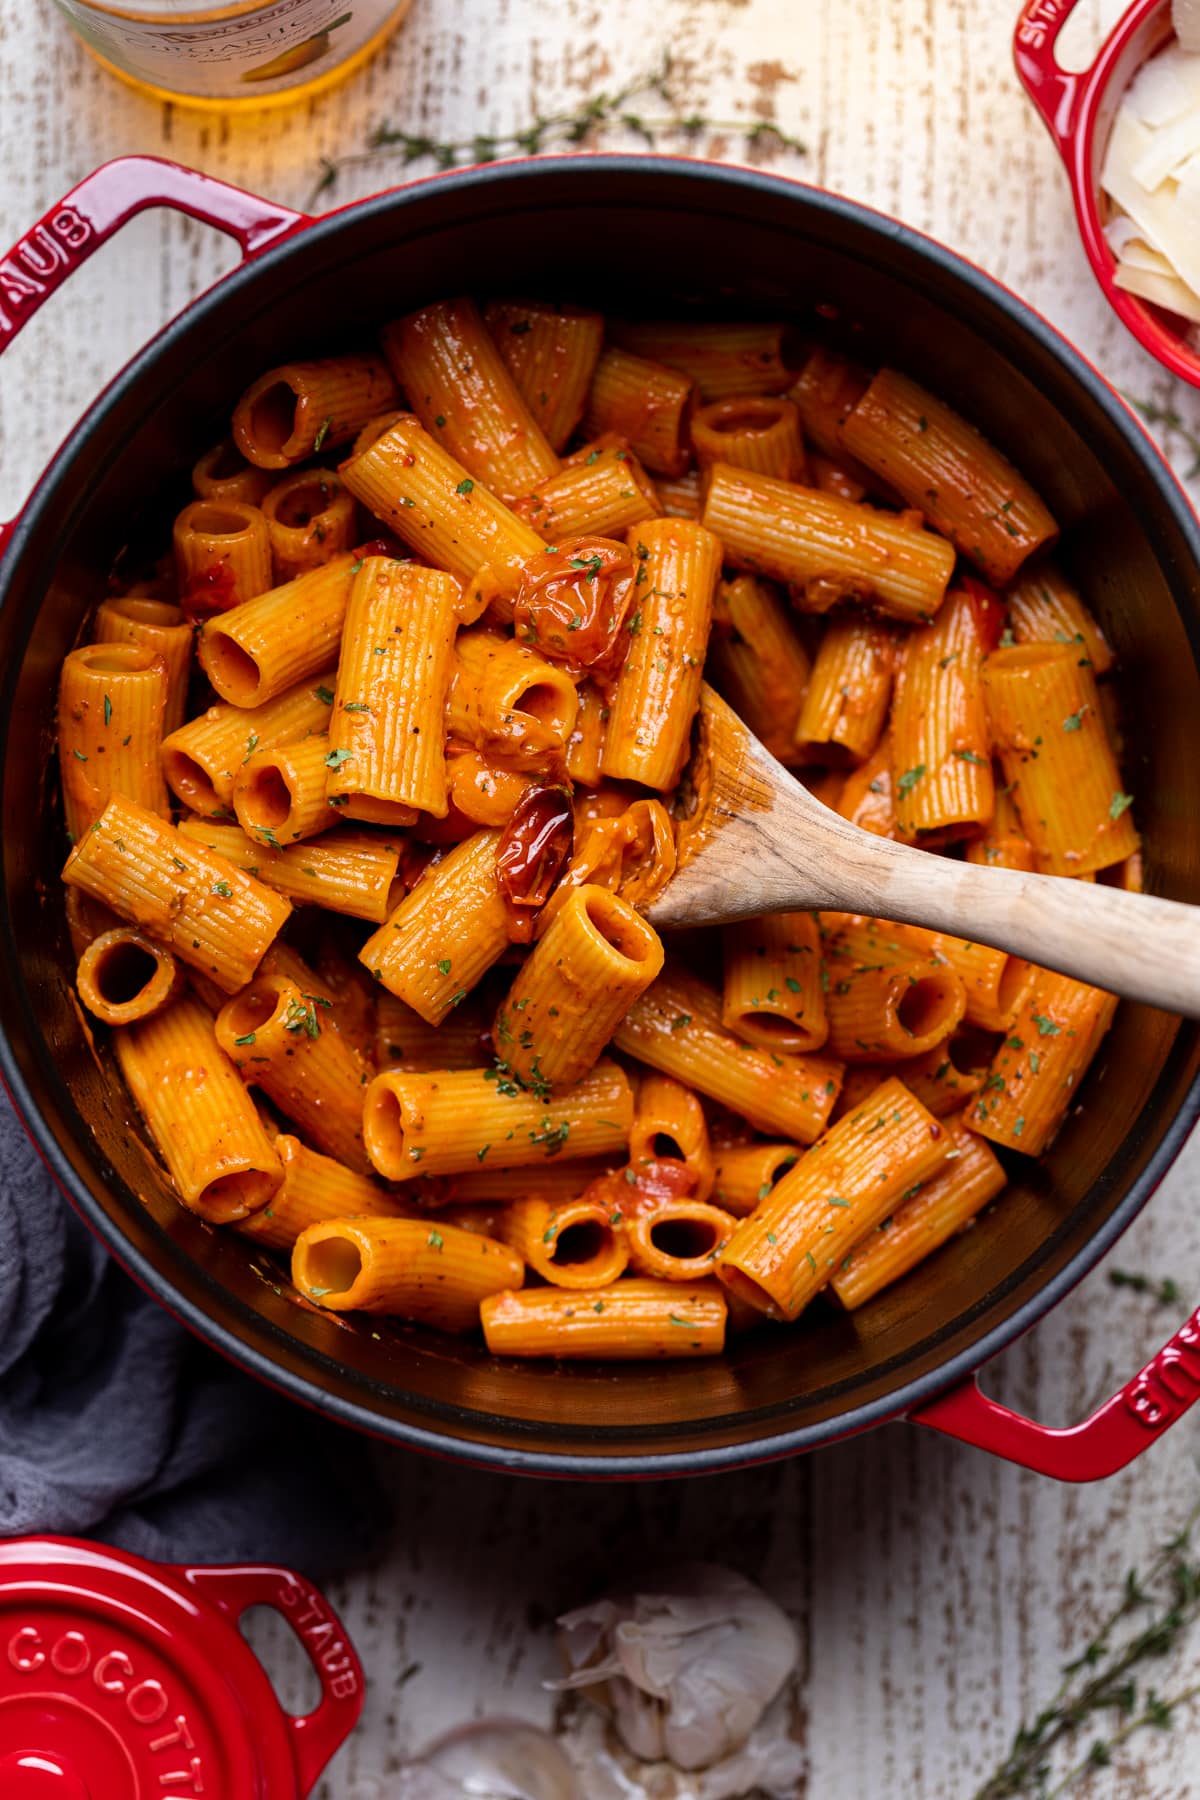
1132	944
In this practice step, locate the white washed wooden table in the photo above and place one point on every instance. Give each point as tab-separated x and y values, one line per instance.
937	1591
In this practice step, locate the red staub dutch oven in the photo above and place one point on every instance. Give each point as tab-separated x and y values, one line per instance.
656	235
120	1677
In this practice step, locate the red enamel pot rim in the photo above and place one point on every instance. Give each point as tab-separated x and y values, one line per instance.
936	1387
1078	110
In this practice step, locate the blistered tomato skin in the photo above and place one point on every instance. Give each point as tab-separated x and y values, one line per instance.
573	601
533	851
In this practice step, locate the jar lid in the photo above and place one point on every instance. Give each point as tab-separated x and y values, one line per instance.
123	1678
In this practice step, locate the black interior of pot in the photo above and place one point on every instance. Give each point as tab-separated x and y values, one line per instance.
645	236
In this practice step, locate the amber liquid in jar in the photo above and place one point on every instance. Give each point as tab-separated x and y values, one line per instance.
230	53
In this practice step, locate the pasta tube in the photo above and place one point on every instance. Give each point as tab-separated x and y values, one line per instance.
291	412
647	404
773	994
161	628
223	473
288	1043
403	1039
222	555
268	645
752	432
631	854
829	549
448	1120
582	976
460	388
669	1122
450	519
679	496
826	391
409	1268
507	699
569	1243
637	1321
1044	608
213	916
111	700
314	1189
1046	725
746	1174
887	998
948	470
556	1181
1037	1069
970	1177
444	936
386	744
124	975
342	871
867	795
202	760
846	700
723	357
994	982
657	689
678	1240
786	1251
585	744
198	1112
1002	843
675	1027
599	492
551	354
310	519
279	794
757	662
941	754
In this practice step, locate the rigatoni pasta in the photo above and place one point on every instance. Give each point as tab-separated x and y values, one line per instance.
457	680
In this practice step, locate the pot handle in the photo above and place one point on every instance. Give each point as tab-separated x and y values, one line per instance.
95	210
1055	91
319	1734
1109	1440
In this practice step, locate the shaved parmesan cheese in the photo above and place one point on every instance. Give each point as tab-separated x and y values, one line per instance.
1166	215
1164	88
1168	150
1161	290
1185	17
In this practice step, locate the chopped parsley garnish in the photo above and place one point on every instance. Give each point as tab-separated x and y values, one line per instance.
1074	721
248	1039
336	758
1120	803
302	1016
322	431
444	965
324	695
435	1240
680	1020
1046	1027
909	779
970	756
107	710
466	486
223	888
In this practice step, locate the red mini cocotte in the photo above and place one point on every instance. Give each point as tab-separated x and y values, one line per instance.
1078	111
120	1677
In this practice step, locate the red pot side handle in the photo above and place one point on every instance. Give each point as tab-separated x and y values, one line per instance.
1114	1435
319	1734
1054	90
95	210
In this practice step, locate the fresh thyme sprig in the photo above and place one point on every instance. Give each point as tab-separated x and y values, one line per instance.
1102	1684
622	110
1171	420
1164	1292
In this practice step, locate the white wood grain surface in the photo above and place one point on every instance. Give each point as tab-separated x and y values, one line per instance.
937	1592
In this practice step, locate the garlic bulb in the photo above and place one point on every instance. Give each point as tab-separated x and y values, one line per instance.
687	1664
495	1759
770	1762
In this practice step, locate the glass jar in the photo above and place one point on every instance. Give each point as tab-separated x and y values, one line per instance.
228	53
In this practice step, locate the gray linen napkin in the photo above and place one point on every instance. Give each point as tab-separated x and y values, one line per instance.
117	1424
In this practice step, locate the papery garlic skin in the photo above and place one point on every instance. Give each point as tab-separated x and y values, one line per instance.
687	1664
770	1762
493	1759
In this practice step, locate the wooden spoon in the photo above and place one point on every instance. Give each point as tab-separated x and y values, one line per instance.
759	842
